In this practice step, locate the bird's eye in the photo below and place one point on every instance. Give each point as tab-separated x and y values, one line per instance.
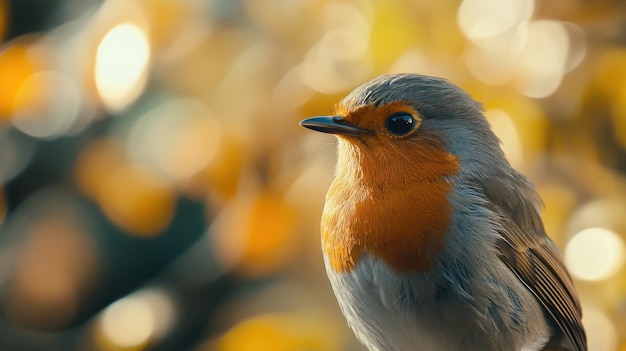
400	124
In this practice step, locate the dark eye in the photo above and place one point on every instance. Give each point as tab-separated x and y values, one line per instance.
400	124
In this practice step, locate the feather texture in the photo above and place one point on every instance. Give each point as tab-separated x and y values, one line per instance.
532	256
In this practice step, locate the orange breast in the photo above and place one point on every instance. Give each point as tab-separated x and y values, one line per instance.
394	210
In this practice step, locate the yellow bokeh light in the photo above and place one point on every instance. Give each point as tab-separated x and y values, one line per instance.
179	138
595	254
134	321
278	332
490	61
510	48
16	66
505	129
137	200
48	105
128	323
256	235
394	30
543	59
122	62
601	332
96	163
485	18
599	213
339	60
224	173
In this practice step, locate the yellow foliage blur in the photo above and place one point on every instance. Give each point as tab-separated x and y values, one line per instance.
171	128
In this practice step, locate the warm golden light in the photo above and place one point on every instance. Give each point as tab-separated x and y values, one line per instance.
128	323
165	118
255	235
278	332
506	131
137	200
543	58
508	47
337	61
595	254
134	321
122	62
96	163
178	138
601	332
485	18
47	104
16	66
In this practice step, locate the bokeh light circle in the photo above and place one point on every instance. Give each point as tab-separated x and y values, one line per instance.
595	254
122	61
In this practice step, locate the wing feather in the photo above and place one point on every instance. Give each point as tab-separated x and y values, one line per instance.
532	256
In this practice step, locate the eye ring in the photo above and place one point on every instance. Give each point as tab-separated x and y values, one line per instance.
400	124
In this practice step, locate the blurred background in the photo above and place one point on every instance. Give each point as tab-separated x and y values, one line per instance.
157	193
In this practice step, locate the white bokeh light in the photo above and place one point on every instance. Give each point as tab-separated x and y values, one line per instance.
128	322
601	332
136	319
122	63
595	254
480	19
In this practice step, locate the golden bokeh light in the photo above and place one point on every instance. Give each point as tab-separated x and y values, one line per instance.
543	58
224	173
133	322
278	332
600	213
122	64
137	200
179	138
595	254
166	18
394	31
95	164
127	325
256	235
291	13
506	131
509	47
338	60
601	333
49	104
17	64
560	201
481	19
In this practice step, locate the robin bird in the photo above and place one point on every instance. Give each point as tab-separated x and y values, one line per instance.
431	240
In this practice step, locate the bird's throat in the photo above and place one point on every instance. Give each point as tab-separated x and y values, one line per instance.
392	216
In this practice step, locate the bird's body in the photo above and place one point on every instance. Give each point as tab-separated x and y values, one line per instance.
431	240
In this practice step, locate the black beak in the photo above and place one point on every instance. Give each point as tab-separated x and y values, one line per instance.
332	125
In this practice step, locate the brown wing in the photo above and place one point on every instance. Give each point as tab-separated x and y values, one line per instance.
532	256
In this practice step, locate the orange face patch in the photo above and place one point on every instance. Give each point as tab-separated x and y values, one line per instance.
388	199
371	117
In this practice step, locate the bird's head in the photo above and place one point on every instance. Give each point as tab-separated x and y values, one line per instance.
403	121
405	140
